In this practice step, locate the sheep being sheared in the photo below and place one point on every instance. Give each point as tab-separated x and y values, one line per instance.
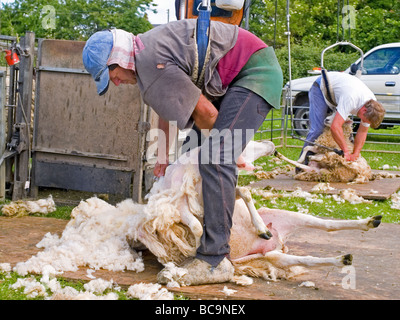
170	226
328	166
250	254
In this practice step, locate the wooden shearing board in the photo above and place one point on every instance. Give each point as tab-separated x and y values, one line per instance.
373	190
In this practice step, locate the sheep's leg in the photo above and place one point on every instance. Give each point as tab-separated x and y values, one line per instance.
286	222
257	221
295	163
283	260
192	222
335	225
256	149
362	224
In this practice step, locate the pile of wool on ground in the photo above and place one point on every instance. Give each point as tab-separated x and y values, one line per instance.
149	291
384	175
395	198
100	235
260	174
49	288
349	195
322	187
21	208
95	237
5	267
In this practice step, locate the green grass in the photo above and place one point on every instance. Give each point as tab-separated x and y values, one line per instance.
329	207
8	279
62	212
8	293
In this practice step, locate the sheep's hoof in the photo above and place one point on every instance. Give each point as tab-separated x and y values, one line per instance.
266	235
374	222
347	260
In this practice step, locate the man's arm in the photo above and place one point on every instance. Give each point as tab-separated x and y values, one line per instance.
163	144
338	136
359	141
204	115
337	133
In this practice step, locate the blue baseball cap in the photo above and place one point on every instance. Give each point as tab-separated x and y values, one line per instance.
95	55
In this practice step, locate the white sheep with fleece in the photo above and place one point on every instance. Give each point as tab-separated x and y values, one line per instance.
327	166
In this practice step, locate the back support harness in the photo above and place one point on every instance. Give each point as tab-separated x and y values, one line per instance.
327	89
202	33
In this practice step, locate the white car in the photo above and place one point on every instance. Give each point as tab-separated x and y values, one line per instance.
380	72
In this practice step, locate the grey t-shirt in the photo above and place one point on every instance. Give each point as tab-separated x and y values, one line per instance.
169	60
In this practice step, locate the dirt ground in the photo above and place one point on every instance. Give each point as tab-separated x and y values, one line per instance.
375	274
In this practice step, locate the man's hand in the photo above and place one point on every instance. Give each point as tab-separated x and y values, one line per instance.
159	169
337	134
163	144
204	114
351	156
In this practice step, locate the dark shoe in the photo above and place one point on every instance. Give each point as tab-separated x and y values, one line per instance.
298	170
308	155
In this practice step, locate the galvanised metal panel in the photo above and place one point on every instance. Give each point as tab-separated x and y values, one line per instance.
80	133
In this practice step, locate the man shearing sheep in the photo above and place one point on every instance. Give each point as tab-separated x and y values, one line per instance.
232	94
332	104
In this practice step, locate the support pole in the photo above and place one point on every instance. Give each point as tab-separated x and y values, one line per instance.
247	5
182	10
13	76
289	92
23	118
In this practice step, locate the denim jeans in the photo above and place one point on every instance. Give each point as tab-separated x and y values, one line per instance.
318	112
241	113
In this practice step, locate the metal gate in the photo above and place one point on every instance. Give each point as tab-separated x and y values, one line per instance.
82	141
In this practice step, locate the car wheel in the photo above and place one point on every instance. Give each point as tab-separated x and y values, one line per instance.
301	121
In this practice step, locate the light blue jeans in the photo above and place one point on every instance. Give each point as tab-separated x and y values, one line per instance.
319	110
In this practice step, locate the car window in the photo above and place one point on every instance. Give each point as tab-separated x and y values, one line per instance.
383	61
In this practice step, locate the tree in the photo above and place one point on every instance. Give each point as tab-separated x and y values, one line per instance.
366	23
316	24
378	22
310	20
73	19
